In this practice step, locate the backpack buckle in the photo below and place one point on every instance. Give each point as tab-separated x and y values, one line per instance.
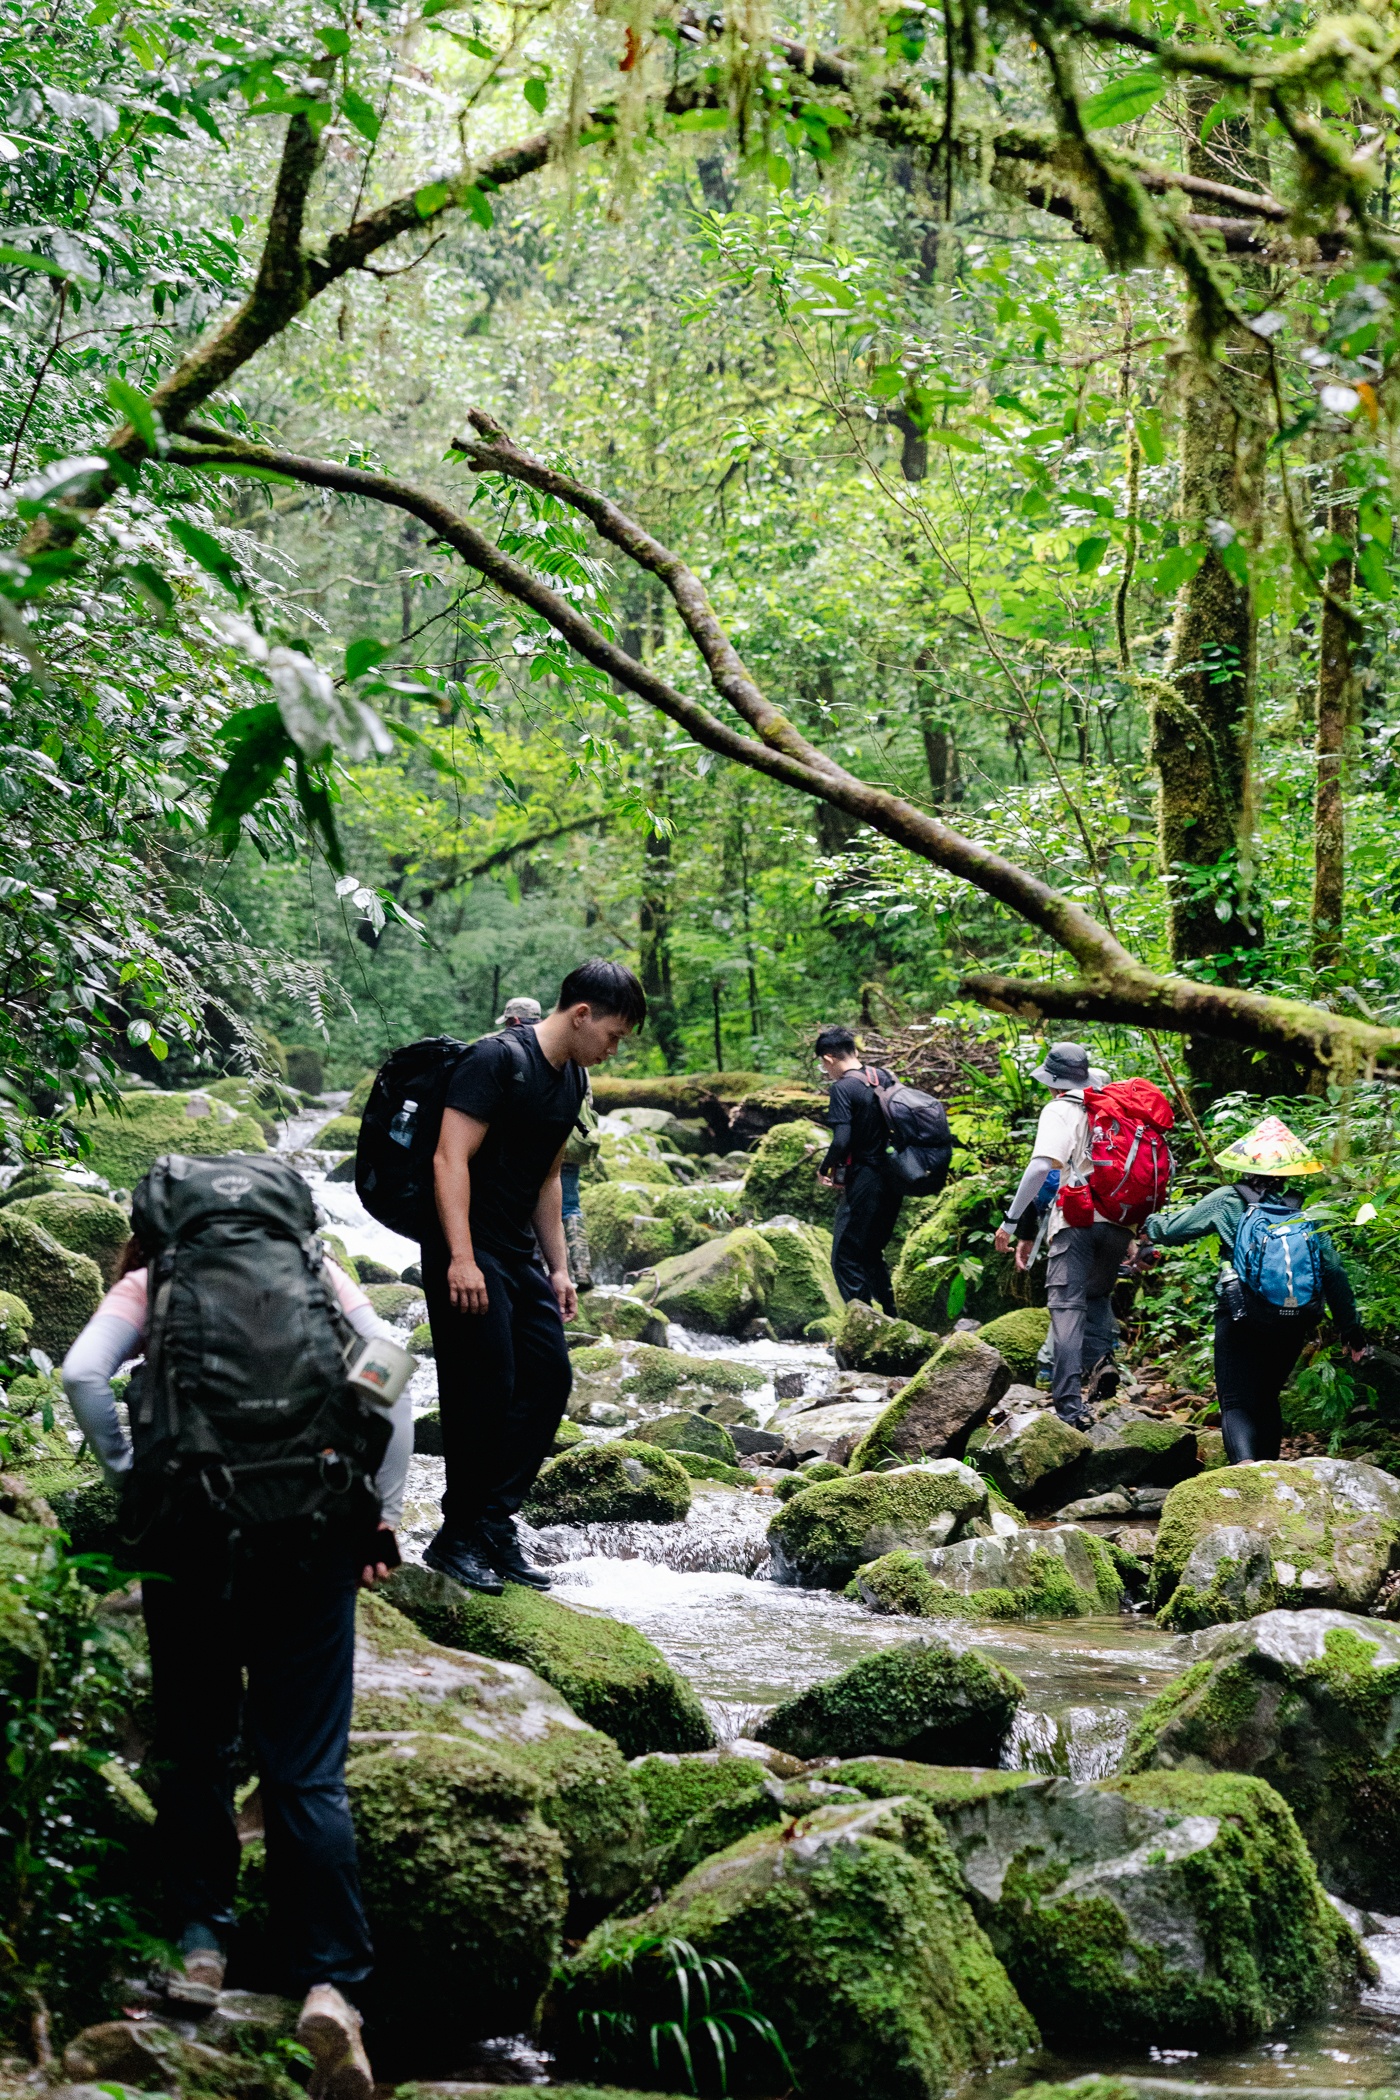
336	1472
220	1497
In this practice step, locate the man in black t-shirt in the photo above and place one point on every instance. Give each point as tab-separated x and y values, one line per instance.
497	1315
869	1208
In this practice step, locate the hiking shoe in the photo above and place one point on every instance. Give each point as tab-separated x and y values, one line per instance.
329	2028
1079	1418
501	1546
462	1560
1102	1381
198	1980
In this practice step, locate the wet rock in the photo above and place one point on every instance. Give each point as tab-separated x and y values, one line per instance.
412	1274
61	1289
84	1223
617	1313
869	1340
715	1289
1063	1573
782	1174
126	1142
1173	1906
427	1434
802	1289
749	1442
924	1700
789	1385
942	1404
1310	1701
664	1377
393	1301
1228	1575
151	2055
1018	1336
1331	1527
852	1934
729	1409
1032	1454
825	1533
690	1432
618	1482
1116	1503
343	1170
1210	1447
1129	1449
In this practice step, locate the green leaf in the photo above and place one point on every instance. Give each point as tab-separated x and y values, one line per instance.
361	114
1149	431
260	748
476	203
438	7
203	548
1088	554
1235	562
1123	99
21	259
1227	106
1035	504
1177	566
318	809
886	381
154	587
702	120
1371	568
536	93
431	198
364	653
335	41
137	410
957	1297
248	472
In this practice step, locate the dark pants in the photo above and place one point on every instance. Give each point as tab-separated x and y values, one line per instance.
1081	1270
503	1383
865	1218
292	1627
1254	1360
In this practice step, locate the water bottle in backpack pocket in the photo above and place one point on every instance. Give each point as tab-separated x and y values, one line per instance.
1279	1262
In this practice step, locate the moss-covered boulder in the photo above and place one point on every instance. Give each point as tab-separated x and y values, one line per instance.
62	1289
420	1341
1018	1338
782	1177
616	1483
853	1937
826	1532
124	1143
690	1432
1062	1573
392	1301
869	1340
1330	1529
1032	1454
958	1224
624	1232
665	1377
1309	1701
1176	1907
802	1289
934	1415
606	1310
610	1674
677	1789
923	1700
16	1325
1128	1449
33	1181
85	1224
340	1134
715	1289
939	1787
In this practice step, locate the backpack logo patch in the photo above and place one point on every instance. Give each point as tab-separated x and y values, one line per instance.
233	1186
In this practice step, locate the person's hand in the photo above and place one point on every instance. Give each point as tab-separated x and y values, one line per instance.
826	1181
1358	1351
562	1285
1002	1242
466	1285
380	1570
1023	1255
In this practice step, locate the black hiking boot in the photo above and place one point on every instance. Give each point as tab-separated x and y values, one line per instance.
464	1561
1102	1381
501	1547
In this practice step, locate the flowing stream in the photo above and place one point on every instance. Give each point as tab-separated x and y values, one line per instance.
701	1592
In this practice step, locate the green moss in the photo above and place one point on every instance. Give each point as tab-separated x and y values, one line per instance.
939	1787
924	1701
866	1340
967	1209
614	1483
125	1143
811	1475
84	1224
690	1432
341	1134
359	1094
828	1531
1028	1460
658	1375
932	1413
782	1177
901	1582
718	1288
712	1469
802	1288
62	1289
857	1944
421	1340
610	1674
1017	1338
677	1789
33	1181
619	1314
392	1300
624	1234
16	1325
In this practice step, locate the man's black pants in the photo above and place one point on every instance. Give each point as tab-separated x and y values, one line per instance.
1254	1360
503	1383
292	1627
865	1218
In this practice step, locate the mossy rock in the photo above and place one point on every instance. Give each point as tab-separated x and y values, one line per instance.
16	1325
262	1098
715	1289
923	1700
690	1432
698	1213
700	1468
856	1943
421	1340
1128	1449
827	1531
803	1288
811	1475
85	1224
1310	1702
342	1257
62	1289
625	1318
782	1177
1329	1528
1176	1907
1064	1573
1210	1449
935	1414
939	1787
87	1510
610	1674
621	1482
658	1376
869	1340
624	1232
967	1210
306	1068
392	1300
125	1143
636	1158
359	1094
341	1134
567	1437
1032	1456
34	1181
1018	1338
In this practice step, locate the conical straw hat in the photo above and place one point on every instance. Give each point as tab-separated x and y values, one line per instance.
1270	1148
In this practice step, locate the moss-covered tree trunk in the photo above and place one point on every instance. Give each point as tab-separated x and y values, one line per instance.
1336	687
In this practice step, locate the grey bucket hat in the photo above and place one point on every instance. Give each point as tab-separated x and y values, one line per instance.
519	1010
1064	1064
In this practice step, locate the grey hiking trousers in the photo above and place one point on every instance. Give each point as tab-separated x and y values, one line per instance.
1081	1271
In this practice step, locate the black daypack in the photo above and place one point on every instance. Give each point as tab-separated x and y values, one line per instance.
921	1144
241	1415
400	1128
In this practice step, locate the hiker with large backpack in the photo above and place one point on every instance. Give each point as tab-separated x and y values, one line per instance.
261	1478
1109	1146
1278	1274
888	1141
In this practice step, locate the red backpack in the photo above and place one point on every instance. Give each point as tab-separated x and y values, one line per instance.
1130	1165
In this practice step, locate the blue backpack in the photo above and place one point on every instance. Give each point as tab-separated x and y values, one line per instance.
1279	1262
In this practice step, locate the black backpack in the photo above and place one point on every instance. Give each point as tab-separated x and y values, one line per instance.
241	1415
400	1128
921	1142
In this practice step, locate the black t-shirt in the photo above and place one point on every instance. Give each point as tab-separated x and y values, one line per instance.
531	1106
860	1133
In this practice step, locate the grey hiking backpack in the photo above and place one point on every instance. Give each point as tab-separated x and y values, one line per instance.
241	1415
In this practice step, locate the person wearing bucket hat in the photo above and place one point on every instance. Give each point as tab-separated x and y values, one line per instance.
519	1013
1083	1260
1277	1275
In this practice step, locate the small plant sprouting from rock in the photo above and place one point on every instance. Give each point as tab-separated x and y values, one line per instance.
714	2023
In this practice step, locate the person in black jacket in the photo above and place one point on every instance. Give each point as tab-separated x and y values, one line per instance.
869	1208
